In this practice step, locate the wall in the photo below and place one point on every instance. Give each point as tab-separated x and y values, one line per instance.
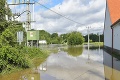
116	36
107	29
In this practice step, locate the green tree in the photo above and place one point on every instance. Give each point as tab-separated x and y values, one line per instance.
3	26
44	35
55	39
101	38
54	35
2	10
75	38
64	38
94	37
9	36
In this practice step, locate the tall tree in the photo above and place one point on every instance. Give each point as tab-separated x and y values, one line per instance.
54	35
9	36
2	10
75	38
44	35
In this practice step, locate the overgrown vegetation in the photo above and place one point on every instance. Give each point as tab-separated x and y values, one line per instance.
13	56
21	57
72	38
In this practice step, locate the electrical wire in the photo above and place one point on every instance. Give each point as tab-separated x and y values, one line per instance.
22	13
58	13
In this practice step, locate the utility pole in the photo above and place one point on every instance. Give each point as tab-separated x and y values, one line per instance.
88	41
28	25
27	3
88	36
99	42
28	20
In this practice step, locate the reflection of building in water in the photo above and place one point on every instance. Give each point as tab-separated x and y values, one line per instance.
112	66
29	75
43	66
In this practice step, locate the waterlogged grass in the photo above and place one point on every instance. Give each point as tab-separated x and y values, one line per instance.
18	58
95	43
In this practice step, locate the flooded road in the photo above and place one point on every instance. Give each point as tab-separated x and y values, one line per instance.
73	63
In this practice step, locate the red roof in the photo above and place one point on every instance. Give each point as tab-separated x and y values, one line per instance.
114	9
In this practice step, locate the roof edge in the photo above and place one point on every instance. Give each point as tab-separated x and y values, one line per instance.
115	23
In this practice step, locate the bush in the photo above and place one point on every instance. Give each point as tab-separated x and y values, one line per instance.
11	56
21	57
75	38
3	64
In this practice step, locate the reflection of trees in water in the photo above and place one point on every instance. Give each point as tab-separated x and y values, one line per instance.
74	51
94	47
53	48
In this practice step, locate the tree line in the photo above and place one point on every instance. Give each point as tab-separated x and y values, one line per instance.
72	38
94	37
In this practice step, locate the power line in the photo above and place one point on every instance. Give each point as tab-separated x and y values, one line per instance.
22	13
58	13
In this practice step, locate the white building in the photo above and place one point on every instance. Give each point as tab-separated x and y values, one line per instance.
112	25
42	42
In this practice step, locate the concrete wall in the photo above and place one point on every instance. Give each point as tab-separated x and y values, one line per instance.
116	36
107	29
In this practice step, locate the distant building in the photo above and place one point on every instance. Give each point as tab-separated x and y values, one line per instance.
112	25
42	42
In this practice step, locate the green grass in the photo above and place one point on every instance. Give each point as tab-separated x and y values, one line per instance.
95	43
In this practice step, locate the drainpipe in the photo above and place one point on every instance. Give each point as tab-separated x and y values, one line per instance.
112	53
112	39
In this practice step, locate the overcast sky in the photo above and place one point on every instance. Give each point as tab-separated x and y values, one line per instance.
85	12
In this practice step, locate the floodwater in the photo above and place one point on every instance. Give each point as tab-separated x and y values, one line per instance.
72	63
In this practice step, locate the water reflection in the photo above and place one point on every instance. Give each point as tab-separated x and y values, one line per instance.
71	63
43	66
62	66
112	65
74	50
28	74
94	47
